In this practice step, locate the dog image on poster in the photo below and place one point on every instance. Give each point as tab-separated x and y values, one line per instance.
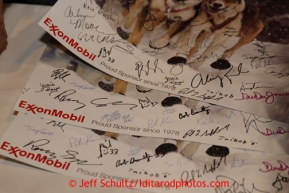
222	19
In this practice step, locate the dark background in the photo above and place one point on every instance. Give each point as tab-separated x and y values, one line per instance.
40	2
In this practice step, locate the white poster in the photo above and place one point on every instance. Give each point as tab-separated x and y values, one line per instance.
130	162
65	89
231	53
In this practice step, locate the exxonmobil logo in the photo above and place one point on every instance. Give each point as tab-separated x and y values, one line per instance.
52	112
70	41
17	152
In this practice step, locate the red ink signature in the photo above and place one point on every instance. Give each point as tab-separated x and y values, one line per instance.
282	167
279	131
269	97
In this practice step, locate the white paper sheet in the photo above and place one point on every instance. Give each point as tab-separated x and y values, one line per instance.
56	93
257	81
83	154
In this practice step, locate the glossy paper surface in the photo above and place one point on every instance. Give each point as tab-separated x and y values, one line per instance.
256	81
67	90
83	154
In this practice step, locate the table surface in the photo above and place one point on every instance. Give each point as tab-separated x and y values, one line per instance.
26	42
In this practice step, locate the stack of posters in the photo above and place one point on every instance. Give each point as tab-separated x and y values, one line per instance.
160	95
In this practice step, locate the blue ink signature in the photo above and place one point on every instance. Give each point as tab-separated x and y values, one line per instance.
154	123
82	87
111	117
75	142
229	115
38	131
237	163
205	122
169	110
133	151
127	118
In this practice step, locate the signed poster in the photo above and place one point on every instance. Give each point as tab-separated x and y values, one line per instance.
131	162
65	89
230	53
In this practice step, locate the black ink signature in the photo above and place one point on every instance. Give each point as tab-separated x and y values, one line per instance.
205	96
146	103
194	174
39	143
261	48
141	68
108	13
85	37
124	47
234	139
234	186
193	112
69	13
62	97
71	155
112	103
199	80
262	60
153	52
278	183
57	124
50	87
250	86
106	149
203	58
60	74
205	133
150	20
172	80
279	74
132	160
250	121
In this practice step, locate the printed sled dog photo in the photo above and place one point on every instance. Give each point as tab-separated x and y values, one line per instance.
183	26
206	40
147	15
222	19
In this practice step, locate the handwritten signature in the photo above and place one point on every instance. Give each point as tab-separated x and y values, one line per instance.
206	132
235	186
237	163
78	141
65	97
208	168
194	112
198	79
153	52
269	96
146	103
279	74
38	131
279	131
278	183
60	74
111	103
253	121
269	167
147	68
132	160
250	86
82	87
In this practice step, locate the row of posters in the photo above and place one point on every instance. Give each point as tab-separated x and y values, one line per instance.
160	95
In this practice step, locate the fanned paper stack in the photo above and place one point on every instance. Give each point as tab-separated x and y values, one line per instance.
160	95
